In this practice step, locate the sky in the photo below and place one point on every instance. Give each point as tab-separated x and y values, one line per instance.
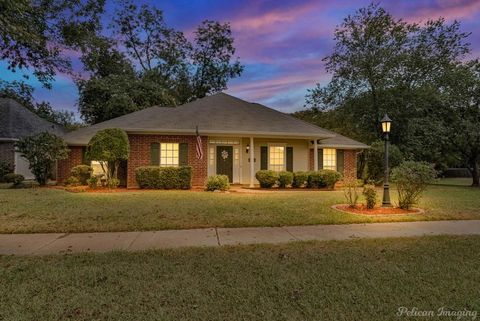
280	43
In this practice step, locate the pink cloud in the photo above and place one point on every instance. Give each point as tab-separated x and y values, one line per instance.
448	9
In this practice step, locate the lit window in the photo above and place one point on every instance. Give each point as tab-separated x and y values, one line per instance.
169	154
97	168
276	158
330	158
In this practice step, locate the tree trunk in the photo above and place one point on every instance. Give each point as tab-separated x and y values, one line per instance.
475	174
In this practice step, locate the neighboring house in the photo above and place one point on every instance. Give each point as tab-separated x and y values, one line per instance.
238	138
16	122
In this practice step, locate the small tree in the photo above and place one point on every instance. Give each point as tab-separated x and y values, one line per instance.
412	179
109	147
42	151
375	160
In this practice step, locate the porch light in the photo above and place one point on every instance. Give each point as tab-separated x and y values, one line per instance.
386	123
248	148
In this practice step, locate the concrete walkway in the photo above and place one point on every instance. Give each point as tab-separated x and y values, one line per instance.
59	243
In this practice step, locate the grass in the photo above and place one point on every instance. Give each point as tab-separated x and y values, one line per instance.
454	181
343	280
50	210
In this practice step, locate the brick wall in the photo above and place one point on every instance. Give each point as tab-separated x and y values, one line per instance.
64	166
350	163
7	152
140	155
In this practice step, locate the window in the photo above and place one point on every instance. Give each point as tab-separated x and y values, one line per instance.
276	158
330	158
169	154
97	168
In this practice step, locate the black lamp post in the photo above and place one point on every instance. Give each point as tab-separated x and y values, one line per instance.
386	123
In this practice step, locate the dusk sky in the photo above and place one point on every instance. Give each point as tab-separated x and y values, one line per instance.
281	43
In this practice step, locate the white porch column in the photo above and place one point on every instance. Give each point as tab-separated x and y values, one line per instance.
315	155
252	163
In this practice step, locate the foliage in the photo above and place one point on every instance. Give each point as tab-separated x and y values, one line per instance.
93	182
109	147
16	179
300	179
411	179
72	181
113	182
350	191
375	160
323	178
285	179
217	183
164	177
5	168
82	173
267	178
370	194
42	151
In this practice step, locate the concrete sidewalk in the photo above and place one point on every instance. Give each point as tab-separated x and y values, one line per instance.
58	243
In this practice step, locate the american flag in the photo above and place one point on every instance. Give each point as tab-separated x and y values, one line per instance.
199	146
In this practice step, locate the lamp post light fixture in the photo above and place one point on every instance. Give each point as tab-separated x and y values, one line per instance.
386	124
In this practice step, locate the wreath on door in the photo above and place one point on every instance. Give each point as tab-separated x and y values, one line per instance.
224	154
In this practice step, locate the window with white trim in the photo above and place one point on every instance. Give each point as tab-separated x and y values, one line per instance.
169	154
330	158
276	158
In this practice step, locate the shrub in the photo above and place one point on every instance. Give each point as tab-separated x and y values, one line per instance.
217	183
351	191
5	168
72	181
412	179
82	173
16	179
164	177
300	179
266	178
370	195
323	178
42	151
375	160
113	182
93	182
285	179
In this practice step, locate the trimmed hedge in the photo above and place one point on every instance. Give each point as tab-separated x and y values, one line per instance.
16	179
266	178
82	173
164	177
217	183
300	179
323	178
285	179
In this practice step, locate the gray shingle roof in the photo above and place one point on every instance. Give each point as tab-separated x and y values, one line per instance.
17	121
219	114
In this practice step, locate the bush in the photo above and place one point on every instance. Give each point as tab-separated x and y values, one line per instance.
375	161
82	173
266	178
351	191
412	178
370	195
16	179
300	179
164	177
285	179
323	178
217	183
72	181
93	182
113	182
5	168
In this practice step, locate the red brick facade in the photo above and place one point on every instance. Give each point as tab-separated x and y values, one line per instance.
64	166
140	155
349	165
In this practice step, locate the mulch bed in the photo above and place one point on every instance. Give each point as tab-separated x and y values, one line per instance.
363	210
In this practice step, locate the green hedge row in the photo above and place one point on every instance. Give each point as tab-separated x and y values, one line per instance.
164	177
319	179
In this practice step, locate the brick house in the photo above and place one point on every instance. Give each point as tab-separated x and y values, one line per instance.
238	139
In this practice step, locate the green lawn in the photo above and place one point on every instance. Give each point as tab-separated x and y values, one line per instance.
343	280
454	181
49	210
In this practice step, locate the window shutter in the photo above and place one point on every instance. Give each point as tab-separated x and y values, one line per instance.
320	158
154	154
183	154
340	161
290	159
263	157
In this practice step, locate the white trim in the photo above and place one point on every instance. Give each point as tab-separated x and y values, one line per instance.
315	155
252	162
